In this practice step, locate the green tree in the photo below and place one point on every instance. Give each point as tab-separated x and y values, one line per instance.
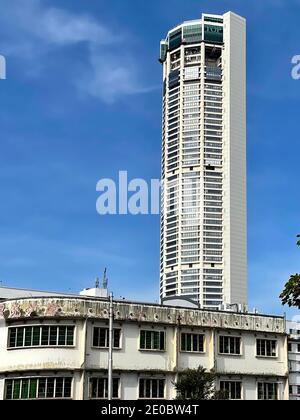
198	384
291	293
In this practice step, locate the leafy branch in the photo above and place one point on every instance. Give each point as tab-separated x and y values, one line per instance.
291	293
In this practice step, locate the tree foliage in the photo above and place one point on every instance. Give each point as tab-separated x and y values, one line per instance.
291	293
198	384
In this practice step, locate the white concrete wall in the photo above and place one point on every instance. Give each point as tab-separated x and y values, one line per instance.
130	363
129	389
250	386
129	384
129	356
41	358
248	362
194	360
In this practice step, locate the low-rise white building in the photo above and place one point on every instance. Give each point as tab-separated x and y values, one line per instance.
293	329
57	347
16	293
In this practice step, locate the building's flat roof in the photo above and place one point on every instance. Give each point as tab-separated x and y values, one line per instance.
11	293
46	295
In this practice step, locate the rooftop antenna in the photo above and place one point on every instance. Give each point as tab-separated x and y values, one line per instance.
105	279
97	283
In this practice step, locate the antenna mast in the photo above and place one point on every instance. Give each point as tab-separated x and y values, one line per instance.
105	279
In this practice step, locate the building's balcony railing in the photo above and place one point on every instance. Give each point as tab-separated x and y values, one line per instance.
192	59
175	65
213	162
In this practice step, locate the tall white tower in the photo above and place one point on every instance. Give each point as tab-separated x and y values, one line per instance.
203	222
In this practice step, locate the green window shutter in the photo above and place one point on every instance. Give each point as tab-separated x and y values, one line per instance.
142	340
33	388
162	341
62	336
20	336
8	389
12	337
17	388
36	336
53	336
25	389
70	336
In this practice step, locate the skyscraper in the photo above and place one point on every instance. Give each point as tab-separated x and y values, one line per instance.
203	222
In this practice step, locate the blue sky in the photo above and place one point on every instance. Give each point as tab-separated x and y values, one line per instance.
82	101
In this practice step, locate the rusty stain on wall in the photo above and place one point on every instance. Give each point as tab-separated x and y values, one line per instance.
133	312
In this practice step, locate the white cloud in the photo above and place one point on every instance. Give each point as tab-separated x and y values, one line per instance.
52	26
111	76
62	28
32	32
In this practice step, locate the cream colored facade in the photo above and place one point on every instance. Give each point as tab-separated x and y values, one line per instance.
74	366
203	225
293	329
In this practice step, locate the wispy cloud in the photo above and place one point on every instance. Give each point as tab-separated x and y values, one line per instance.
107	79
35	31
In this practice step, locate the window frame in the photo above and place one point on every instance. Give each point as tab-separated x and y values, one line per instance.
234	337
231	382
106	347
267	384
144	378
152	340
41	346
192	334
105	378
261	356
38	379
